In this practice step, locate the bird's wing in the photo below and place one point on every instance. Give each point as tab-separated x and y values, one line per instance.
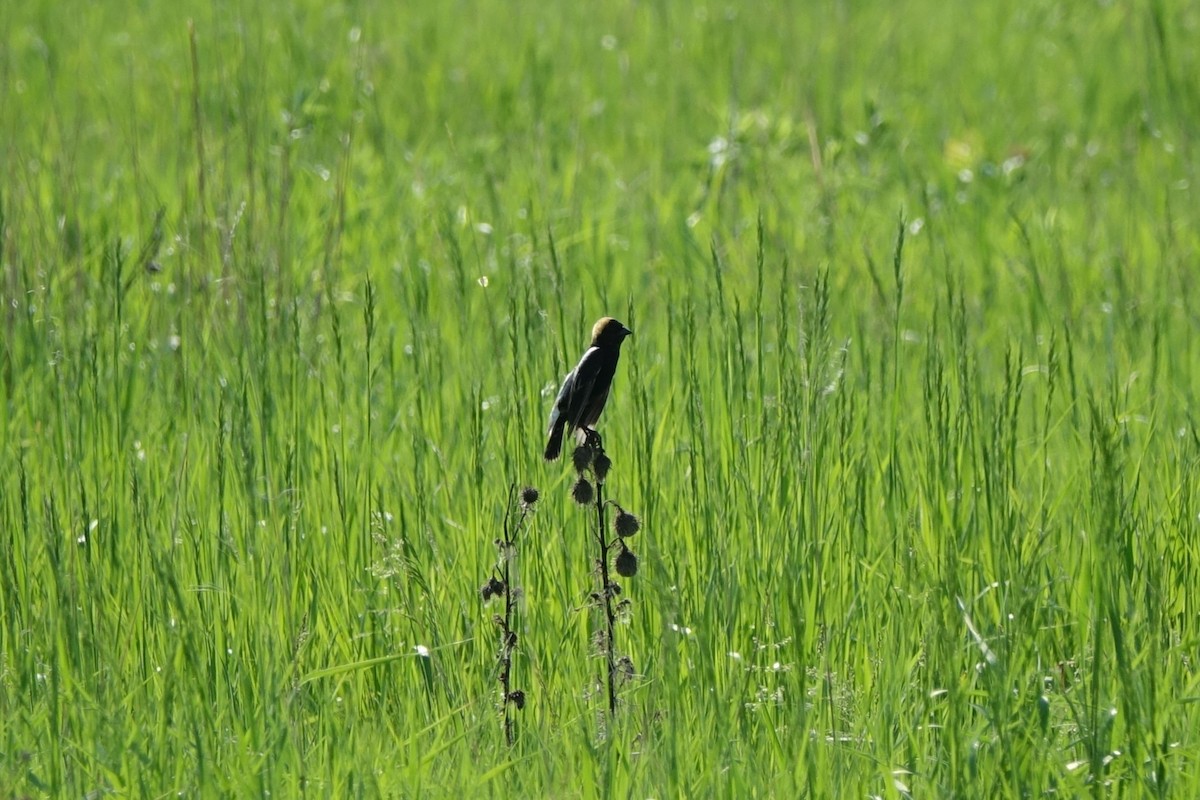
580	384
560	401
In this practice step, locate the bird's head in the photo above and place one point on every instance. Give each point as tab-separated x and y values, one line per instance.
608	332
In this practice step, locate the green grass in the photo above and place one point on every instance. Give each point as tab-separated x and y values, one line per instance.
909	415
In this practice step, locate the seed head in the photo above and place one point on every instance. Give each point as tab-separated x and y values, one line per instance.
529	496
582	457
493	587
624	611
582	491
626	524
505	550
627	563
601	466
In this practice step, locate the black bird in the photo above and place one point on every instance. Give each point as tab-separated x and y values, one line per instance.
585	389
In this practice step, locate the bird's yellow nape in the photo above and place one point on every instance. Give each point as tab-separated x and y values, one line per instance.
609	327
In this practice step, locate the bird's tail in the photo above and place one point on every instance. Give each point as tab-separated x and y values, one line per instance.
554	446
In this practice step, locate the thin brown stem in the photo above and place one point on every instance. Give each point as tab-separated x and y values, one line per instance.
504	576
606	589
507	640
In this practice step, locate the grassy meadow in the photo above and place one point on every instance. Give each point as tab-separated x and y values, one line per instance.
909	417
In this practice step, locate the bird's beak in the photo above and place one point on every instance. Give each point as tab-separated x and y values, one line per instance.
627	332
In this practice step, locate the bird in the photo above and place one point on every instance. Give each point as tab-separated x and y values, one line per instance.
584	391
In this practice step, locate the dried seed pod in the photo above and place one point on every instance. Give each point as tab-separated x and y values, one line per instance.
601	465
582	491
581	458
624	611
626	524
626	563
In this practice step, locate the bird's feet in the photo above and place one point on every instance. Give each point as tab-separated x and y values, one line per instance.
591	438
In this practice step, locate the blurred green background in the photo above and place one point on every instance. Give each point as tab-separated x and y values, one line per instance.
909	414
